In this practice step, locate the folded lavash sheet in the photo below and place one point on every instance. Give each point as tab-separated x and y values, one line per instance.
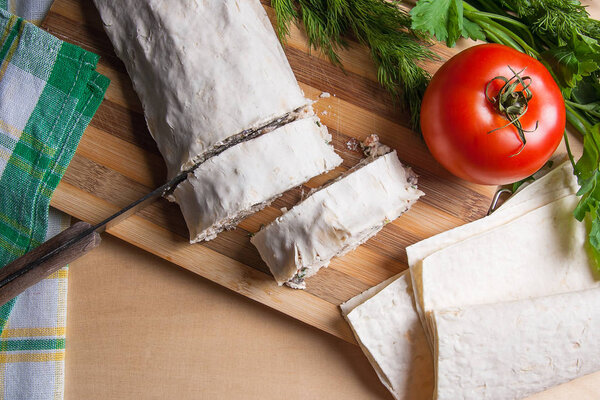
541	253
388	330
505	350
337	218
357	300
366	325
514	349
206	72
265	166
564	181
556	184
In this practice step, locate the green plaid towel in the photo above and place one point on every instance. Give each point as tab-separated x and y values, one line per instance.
31	10
49	91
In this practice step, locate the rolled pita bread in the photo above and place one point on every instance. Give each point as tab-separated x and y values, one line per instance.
206	72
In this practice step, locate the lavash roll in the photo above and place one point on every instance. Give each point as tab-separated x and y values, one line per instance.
207	72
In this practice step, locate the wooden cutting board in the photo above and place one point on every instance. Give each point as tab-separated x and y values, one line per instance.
117	162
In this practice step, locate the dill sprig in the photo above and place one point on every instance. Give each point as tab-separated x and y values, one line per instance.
286	12
556	19
381	26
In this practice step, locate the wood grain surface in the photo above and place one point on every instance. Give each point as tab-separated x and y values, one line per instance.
117	162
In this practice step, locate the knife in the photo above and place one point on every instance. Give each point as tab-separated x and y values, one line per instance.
67	246
82	237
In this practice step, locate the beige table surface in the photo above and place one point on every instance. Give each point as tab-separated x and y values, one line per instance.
139	327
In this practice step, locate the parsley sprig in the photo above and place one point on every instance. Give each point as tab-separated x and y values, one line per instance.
559	33
382	26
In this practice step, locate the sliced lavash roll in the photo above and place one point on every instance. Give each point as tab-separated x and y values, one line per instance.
207	72
511	350
245	178
337	218
386	325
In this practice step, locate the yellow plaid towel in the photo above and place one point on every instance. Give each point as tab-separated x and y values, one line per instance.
33	340
34	153
32	10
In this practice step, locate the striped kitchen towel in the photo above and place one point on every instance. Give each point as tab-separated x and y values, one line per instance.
32	10
49	91
32	344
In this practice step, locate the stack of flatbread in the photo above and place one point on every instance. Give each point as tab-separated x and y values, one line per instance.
222	103
500	308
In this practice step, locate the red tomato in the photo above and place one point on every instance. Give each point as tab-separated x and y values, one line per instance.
458	120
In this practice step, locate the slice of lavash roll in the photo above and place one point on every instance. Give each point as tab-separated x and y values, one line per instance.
207	72
337	218
245	178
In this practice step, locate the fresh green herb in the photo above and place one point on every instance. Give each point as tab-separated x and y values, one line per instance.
445	20
559	33
301	275
588	177
378	24
516	185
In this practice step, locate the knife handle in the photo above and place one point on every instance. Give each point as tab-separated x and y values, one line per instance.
52	264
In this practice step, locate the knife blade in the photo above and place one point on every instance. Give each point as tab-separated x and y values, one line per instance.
68	245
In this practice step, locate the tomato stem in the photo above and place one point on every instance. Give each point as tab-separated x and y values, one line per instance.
512	103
